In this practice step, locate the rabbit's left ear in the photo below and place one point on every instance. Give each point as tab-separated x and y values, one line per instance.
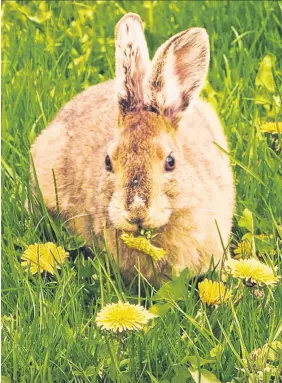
178	73
132	63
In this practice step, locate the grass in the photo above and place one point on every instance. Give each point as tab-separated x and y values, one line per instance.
50	52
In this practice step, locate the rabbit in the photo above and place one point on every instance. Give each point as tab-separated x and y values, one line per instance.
142	151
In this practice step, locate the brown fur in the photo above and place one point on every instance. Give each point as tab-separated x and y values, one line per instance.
183	204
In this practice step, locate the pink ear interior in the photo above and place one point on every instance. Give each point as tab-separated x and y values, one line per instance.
179	69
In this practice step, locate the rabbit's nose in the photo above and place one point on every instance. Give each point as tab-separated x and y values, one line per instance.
137	221
136	216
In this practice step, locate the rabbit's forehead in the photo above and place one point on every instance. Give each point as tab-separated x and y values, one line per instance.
142	138
139	145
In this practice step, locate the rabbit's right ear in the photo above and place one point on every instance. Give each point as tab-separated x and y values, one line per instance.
132	64
178	73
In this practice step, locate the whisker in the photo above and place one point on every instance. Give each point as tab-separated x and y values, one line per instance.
189	208
168	190
76	216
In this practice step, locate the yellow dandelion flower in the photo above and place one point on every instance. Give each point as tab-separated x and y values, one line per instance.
121	316
272	127
213	293
262	236
43	257
144	245
251	271
243	250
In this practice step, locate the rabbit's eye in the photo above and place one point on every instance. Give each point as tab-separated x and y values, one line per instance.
108	163
169	163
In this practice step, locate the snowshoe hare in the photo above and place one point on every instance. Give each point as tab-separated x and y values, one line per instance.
139	152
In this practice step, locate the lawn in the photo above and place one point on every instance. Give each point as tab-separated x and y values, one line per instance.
50	52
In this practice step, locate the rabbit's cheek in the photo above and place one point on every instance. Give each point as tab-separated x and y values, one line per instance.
159	212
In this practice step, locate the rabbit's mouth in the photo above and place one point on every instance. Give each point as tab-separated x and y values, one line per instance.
140	228
138	218
136	228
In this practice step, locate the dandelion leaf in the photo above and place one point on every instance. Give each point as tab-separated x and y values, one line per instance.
246	220
175	290
203	376
197	361
160	309
265	76
181	375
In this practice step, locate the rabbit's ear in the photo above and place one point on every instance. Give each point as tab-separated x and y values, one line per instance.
132	63
178	73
